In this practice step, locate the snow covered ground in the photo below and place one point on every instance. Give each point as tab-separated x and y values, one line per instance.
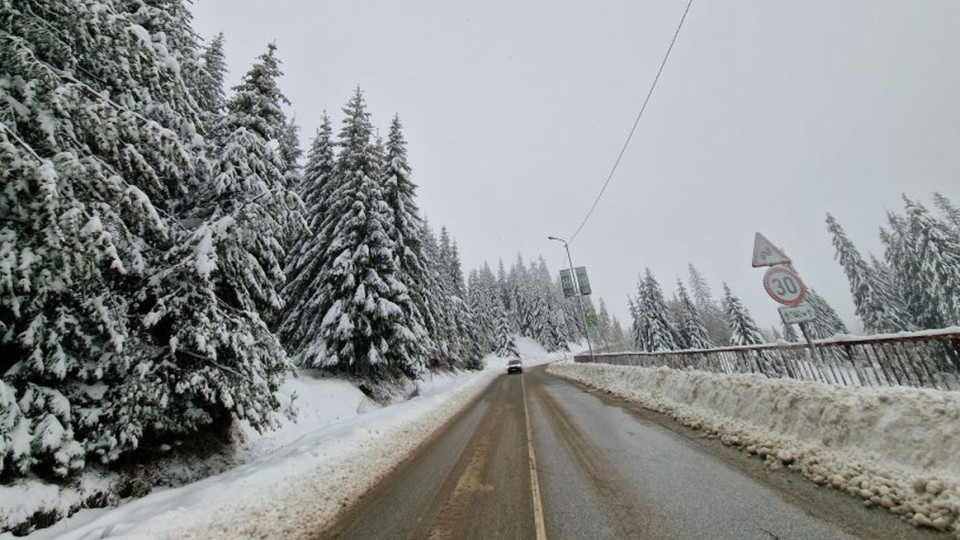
894	447
295	479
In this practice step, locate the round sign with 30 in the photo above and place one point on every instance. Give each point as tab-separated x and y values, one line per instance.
784	285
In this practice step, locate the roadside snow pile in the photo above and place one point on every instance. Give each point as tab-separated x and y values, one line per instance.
307	404
895	447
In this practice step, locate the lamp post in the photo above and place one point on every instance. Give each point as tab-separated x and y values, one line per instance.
573	276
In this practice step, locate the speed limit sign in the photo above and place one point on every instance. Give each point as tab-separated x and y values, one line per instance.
784	285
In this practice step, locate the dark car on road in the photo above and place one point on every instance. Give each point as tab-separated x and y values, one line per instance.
514	366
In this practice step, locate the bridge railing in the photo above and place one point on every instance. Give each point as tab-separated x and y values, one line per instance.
929	359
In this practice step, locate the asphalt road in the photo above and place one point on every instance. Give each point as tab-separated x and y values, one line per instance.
538	457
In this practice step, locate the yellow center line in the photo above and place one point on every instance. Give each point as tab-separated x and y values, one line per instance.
534	483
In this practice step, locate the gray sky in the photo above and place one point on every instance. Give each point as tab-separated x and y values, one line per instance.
769	114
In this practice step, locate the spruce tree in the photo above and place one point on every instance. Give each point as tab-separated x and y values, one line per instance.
790	333
476	302
876	305
636	336
743	329
905	271
691	327
950	212
212	307
96	152
300	324
617	337
604	325
169	23
937	250
506	344
827	323
210	94
521	298
363	332
290	153
710	311
655	330
551	329
405	232
441	327
486	305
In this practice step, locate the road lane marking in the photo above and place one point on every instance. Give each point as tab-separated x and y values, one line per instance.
534	483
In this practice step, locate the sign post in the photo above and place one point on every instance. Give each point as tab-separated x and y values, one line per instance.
578	289
785	287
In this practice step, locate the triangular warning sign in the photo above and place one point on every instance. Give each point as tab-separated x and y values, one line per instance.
767	254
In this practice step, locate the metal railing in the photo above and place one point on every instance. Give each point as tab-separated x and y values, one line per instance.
923	360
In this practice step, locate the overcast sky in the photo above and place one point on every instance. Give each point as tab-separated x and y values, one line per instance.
768	115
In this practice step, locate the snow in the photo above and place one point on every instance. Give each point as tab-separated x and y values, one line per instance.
206	257
297	478
894	447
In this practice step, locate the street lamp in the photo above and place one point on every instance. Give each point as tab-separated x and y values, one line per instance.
573	276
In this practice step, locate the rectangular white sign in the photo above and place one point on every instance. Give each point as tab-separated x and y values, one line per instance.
802	312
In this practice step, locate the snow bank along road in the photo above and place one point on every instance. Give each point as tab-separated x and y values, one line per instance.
603	469
896	448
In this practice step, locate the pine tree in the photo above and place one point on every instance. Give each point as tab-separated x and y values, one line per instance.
654	329
827	322
476	302
506	345
636	333
363	331
290	153
938	253
314	190
710	311
691	327
210	94
442	343
790	333
923	256
503	286
617	337
520	298
97	148
468	342
406	234
169	23
571	315
950	212
550	327
744	330
905	268
876	305
212	306
487	305
604	326
300	324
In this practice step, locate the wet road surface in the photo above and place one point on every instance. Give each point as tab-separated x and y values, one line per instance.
539	457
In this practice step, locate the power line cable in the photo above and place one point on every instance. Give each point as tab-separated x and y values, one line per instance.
635	123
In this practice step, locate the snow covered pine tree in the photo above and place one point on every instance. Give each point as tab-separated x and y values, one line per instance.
363	332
